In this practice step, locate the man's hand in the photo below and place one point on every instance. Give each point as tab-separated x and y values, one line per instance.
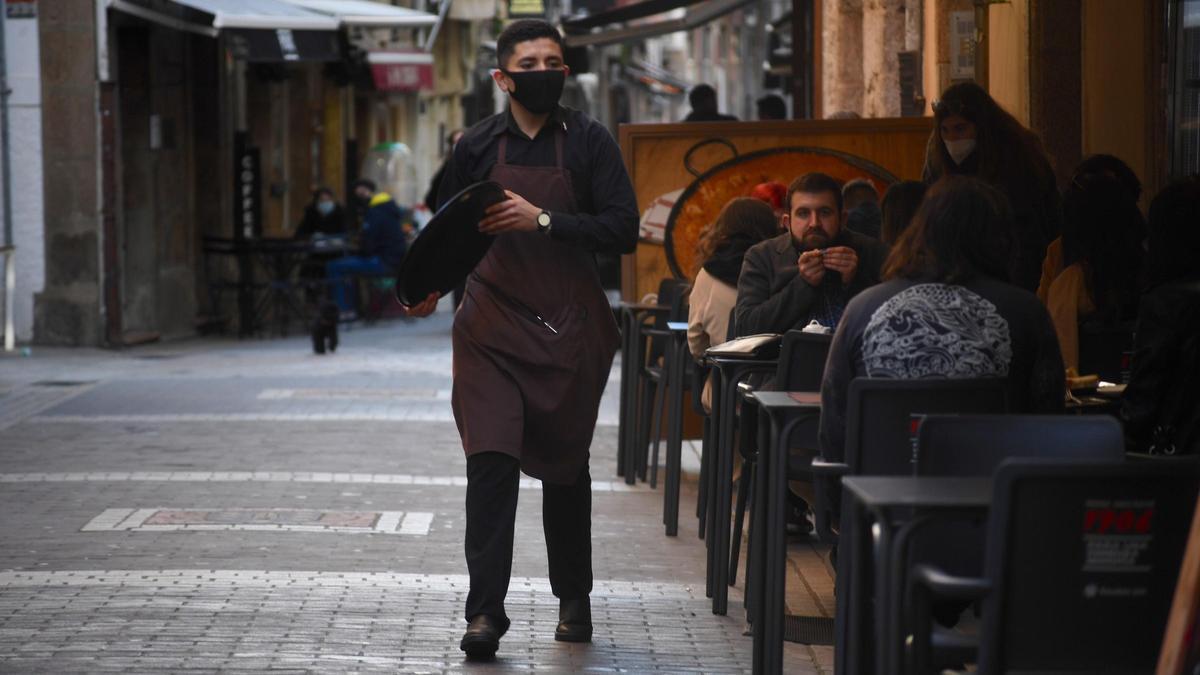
511	215
812	270
843	260
423	308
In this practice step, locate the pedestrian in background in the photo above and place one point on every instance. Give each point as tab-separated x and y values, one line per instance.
861	201
703	99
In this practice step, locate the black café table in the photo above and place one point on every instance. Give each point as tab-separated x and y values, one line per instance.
878	515
728	373
767	559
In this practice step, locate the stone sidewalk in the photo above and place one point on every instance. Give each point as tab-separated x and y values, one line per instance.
223	506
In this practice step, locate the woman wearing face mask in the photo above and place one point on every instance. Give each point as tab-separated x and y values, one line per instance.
324	215
974	136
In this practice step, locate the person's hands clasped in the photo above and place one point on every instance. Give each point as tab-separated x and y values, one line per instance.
843	260
511	215
812	269
423	308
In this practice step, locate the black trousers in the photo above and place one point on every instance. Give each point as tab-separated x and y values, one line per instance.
493	480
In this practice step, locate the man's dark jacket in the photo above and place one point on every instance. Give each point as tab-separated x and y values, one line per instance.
383	232
773	297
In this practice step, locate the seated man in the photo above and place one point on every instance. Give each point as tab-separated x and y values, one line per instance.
382	244
809	272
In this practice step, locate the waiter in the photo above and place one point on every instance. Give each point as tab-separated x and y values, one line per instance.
535	337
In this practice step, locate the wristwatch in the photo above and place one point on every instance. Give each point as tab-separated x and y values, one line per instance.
543	222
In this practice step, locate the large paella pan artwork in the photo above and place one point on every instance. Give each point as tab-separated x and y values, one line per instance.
699	204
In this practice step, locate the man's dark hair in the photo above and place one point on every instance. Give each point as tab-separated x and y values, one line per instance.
523	31
703	98
815	183
963	230
365	182
1175	232
772	107
1111	165
900	204
858	191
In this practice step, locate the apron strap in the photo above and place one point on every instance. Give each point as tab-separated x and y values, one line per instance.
501	151
559	132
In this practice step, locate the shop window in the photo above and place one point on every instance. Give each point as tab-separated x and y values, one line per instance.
1185	85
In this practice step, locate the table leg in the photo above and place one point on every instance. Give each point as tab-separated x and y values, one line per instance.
635	403
881	545
709	480
723	494
626	383
675	436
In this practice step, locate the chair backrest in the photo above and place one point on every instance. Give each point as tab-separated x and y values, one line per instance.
1104	350
670	294
975	445
882	416
1083	560
802	359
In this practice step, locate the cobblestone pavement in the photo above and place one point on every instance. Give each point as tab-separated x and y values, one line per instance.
248	506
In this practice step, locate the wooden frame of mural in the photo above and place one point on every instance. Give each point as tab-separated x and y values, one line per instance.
671	163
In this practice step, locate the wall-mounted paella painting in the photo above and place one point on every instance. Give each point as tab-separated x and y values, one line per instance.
700	203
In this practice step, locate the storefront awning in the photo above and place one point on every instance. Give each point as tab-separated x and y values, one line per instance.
257	30
697	15
624	13
368	13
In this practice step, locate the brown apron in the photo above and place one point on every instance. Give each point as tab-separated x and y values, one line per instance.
534	338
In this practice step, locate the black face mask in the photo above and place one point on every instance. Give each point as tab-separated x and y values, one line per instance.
538	90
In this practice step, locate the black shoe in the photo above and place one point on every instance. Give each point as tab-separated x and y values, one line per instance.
482	638
574	620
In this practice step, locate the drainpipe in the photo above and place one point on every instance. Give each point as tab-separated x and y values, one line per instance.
10	272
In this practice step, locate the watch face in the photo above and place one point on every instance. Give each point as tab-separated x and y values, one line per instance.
543	219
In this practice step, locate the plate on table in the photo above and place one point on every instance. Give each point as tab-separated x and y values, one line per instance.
450	245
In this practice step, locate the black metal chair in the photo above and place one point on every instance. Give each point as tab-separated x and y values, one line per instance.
977	445
651	342
634	318
656	375
1082	561
881	425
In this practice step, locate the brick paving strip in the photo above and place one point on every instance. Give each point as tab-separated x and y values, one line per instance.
261	520
217	620
281	477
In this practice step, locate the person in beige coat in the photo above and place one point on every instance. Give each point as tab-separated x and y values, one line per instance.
743	223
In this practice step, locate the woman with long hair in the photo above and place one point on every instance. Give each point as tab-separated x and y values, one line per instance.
974	136
946	309
1102	258
743	222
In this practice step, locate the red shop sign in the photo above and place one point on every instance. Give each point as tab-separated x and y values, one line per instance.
401	71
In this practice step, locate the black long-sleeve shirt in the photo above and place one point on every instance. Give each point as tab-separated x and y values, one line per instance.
607	217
